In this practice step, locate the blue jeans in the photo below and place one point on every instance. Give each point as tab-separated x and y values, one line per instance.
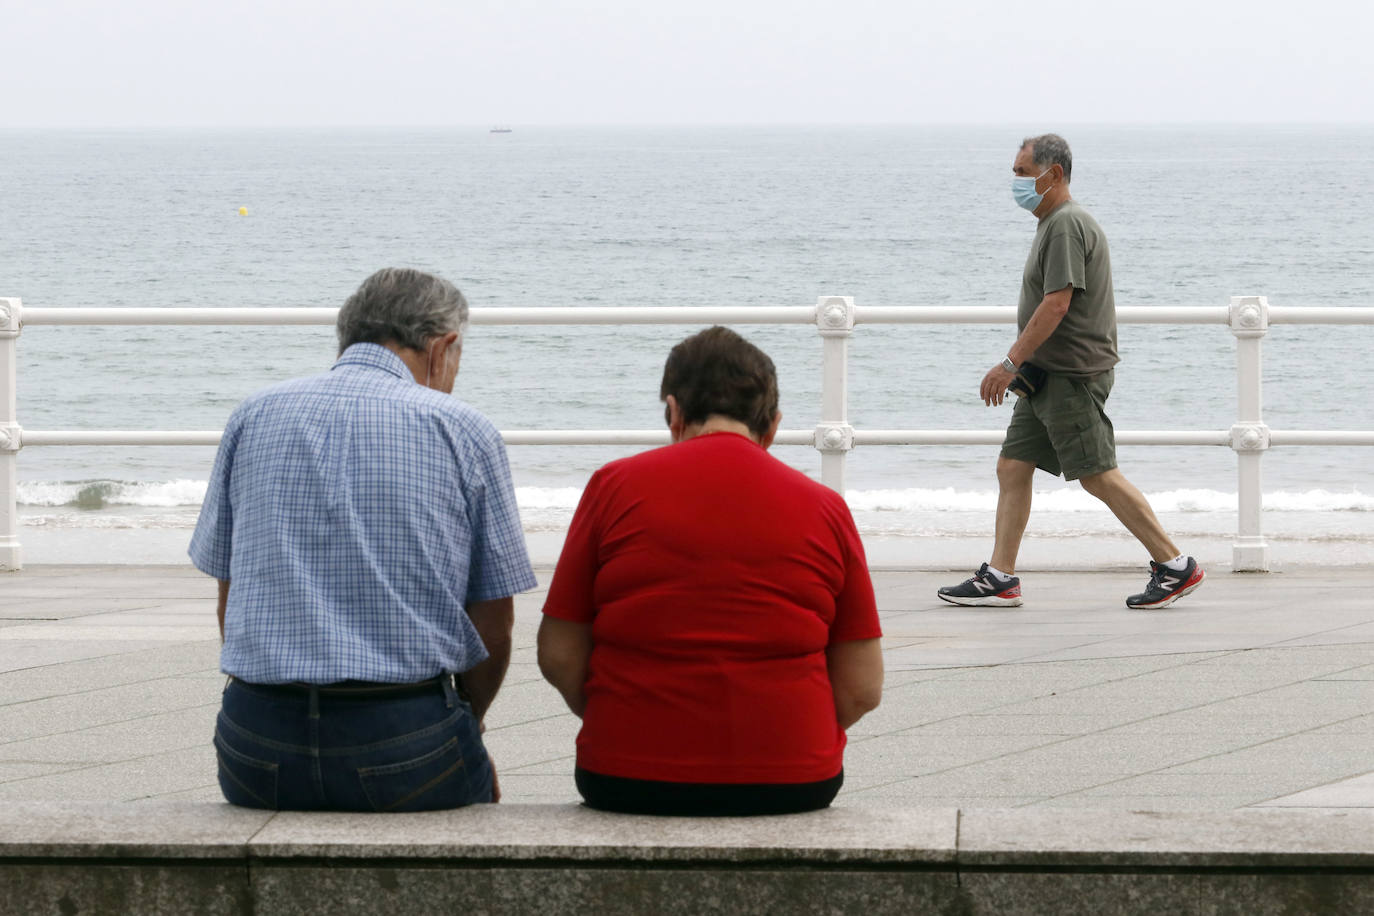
309	750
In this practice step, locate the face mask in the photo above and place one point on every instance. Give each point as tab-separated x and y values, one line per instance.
1023	190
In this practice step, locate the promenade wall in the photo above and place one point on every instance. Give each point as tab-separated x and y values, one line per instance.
155	858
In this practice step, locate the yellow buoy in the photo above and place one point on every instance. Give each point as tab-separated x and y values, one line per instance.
243	211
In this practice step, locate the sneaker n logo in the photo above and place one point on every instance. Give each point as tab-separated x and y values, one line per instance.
1168	582
983	585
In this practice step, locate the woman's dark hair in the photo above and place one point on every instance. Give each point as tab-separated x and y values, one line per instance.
719	372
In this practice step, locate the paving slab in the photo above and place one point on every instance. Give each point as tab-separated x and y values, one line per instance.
150	776
21	654
24	769
127	740
1338	755
94	708
82	630
892	753
525	746
19	606
133	664
1260	787
1188	804
1045	727
562	767
1363	632
1220	718
1355	725
1356	792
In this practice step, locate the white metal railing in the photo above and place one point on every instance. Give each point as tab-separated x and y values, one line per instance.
834	317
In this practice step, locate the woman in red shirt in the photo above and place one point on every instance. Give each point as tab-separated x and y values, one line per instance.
711	617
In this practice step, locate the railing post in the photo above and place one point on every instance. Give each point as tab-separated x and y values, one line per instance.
10	312
1249	435
834	435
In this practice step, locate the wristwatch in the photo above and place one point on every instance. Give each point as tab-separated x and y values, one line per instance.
1007	364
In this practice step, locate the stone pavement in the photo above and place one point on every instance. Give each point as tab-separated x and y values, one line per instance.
1258	690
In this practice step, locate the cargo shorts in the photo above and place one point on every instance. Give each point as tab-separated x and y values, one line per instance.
1063	428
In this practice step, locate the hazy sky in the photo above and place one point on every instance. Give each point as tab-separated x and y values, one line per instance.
442	62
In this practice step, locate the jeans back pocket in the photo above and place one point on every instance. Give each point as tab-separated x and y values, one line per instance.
429	782
244	780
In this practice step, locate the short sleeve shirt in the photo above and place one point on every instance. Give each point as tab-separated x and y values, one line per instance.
356	514
714	578
1070	249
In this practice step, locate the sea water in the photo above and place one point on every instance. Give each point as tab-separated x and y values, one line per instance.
695	217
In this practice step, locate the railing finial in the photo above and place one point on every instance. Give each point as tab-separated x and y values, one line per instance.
835	316
1249	437
1249	316
11	315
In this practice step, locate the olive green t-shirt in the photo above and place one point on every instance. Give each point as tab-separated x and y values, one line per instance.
1070	250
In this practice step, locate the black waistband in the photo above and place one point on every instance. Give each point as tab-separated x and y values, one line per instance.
351	689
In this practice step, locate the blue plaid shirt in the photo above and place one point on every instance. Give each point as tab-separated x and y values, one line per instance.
355	514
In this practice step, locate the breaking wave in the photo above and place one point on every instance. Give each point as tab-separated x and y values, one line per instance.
94	495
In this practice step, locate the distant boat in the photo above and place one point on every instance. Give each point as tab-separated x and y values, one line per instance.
500	130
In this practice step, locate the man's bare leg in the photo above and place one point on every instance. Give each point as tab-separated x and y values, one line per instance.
1130	507
1013	512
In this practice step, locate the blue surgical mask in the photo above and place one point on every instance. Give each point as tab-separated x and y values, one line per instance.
1023	190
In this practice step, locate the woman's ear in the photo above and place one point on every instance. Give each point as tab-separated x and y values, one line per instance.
673	414
767	438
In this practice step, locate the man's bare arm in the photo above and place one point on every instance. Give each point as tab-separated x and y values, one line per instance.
494	621
1047	316
222	604
565	650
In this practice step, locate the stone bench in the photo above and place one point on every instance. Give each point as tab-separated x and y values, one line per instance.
154	858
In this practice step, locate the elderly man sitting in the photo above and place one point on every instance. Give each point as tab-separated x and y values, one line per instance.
363	529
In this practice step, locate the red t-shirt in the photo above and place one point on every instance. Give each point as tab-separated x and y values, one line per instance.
714	577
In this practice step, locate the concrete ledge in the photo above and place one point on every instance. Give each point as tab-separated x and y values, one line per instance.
574	834
174	858
101	830
1245	839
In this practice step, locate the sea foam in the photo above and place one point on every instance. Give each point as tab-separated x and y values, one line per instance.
94	495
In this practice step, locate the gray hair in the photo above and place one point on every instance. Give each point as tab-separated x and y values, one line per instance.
1048	150
408	307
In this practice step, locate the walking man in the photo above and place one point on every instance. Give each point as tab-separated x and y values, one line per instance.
1061	365
363	529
